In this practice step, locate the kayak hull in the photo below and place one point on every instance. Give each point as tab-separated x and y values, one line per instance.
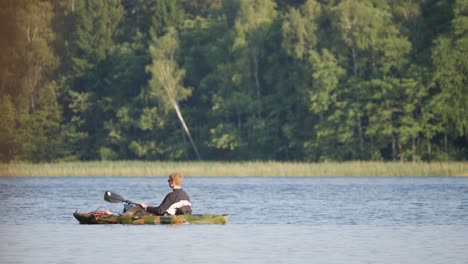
150	219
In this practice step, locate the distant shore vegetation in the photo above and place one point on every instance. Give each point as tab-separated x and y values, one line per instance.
256	168
234	80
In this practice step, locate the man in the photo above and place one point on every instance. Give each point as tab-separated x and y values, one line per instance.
175	203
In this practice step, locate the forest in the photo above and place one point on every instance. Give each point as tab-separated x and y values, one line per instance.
233	80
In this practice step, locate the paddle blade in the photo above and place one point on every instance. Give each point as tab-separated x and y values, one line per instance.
113	197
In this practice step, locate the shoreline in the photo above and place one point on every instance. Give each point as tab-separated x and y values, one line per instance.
223	169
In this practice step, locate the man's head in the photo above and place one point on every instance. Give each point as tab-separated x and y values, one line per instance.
176	178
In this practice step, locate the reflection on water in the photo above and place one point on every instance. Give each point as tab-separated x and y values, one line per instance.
271	220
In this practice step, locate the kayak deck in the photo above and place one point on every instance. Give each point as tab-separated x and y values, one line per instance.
150	219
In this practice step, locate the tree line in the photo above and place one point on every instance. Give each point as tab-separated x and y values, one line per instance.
302	80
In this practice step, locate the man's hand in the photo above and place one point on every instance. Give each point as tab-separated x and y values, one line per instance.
143	205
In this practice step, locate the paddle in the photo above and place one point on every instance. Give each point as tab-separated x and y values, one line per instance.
115	198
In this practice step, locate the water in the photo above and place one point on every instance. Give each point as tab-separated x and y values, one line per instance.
271	220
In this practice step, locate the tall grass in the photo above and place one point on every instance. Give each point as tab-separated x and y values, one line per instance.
140	168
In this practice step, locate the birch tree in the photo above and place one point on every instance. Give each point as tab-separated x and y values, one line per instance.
166	82
253	19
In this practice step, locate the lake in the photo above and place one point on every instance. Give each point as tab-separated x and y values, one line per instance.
271	220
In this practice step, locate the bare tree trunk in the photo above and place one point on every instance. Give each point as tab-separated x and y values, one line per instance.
361	139
31	104
413	149
429	149
257	82
399	151
355	68
445	143
181	118
137	29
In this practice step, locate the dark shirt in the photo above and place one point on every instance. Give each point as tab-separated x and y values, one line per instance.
175	196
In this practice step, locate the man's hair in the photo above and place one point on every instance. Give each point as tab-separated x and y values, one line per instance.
177	178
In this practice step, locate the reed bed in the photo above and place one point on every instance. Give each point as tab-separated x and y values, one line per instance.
259	168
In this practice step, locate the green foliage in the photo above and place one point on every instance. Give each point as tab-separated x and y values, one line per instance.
299	29
451	50
30	102
303	80
7	128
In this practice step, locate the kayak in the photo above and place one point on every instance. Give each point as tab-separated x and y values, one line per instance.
150	219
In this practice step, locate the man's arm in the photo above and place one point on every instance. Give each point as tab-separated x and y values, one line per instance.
161	209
